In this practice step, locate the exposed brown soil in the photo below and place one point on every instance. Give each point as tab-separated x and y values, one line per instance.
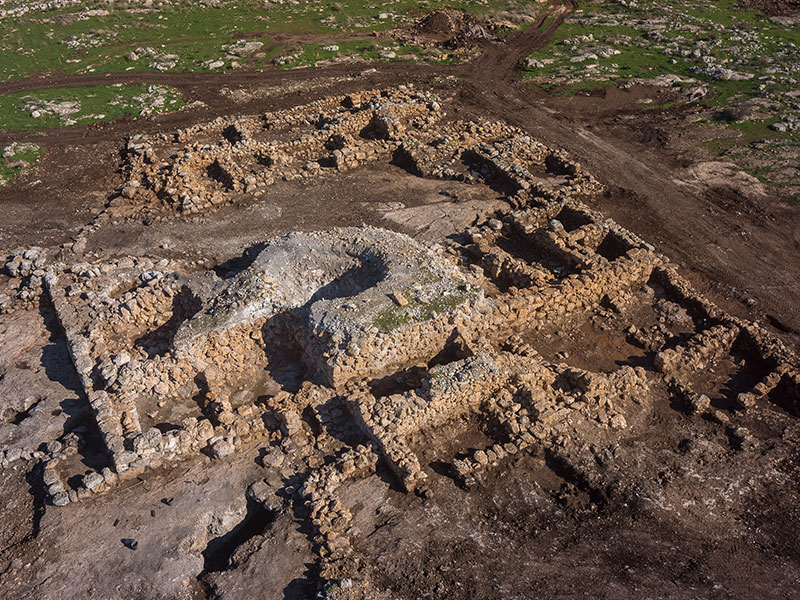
676	506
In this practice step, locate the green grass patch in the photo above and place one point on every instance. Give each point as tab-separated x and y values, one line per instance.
310	55
750	131
59	107
650	39
14	158
761	173
416	311
76	41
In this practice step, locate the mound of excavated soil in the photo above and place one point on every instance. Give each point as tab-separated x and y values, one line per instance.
446	21
772	7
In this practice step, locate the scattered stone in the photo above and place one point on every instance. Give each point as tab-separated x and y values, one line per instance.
130	543
221	448
61	499
399	298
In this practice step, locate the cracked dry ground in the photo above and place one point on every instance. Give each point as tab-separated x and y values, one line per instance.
456	379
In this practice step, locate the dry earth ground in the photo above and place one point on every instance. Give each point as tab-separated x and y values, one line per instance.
677	506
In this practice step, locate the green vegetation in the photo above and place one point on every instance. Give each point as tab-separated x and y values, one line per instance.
14	158
750	131
736	64
81	105
416	311
367	50
391	319
91	37
693	40
761	173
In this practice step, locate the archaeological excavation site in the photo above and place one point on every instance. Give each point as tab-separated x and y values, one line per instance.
402	332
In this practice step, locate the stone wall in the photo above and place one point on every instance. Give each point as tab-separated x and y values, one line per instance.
154	338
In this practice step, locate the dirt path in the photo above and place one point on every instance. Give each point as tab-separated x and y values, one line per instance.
499	65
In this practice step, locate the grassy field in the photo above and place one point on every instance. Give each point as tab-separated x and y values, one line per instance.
364	50
743	67
659	38
82	105
88	37
82	37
